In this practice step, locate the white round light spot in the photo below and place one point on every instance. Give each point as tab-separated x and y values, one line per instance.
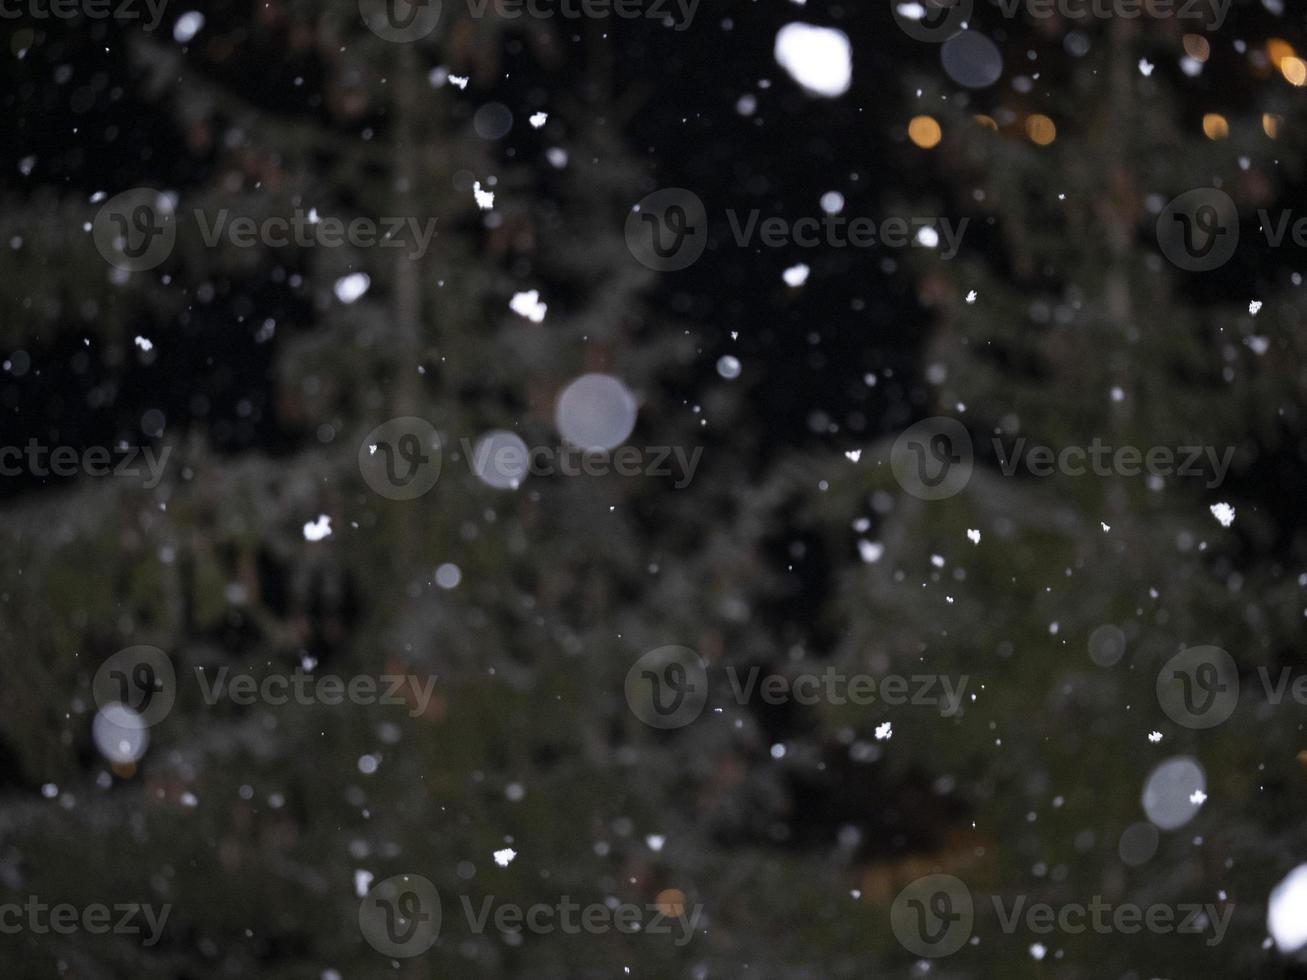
120	734
1173	792
595	412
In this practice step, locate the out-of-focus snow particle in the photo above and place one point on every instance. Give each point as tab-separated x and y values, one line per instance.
187	26
1118	394
319	529
747	104
796	275
120	734
1224	513
973	535
528	305
538	119
485	199
1286	913
505	857
832	202
1038	950
448	576
655	842
557	157
352	287
596	412
818	58
362	882
728	366
1145	67
870	551
144	343
927	237
884	731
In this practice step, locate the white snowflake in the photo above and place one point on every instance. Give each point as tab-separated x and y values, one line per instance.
1224	513
319	529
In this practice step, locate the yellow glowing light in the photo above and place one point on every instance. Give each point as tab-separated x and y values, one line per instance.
1197	47
1040	129
671	902
924	132
1271	124
987	122
1294	70
1277	49
1215	126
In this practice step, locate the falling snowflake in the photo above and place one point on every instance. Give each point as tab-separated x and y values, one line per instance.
319	529
853	455
528	305
973	535
1154	736
538	119
505	857
1255	307
1224	513
796	275
485	199
884	731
